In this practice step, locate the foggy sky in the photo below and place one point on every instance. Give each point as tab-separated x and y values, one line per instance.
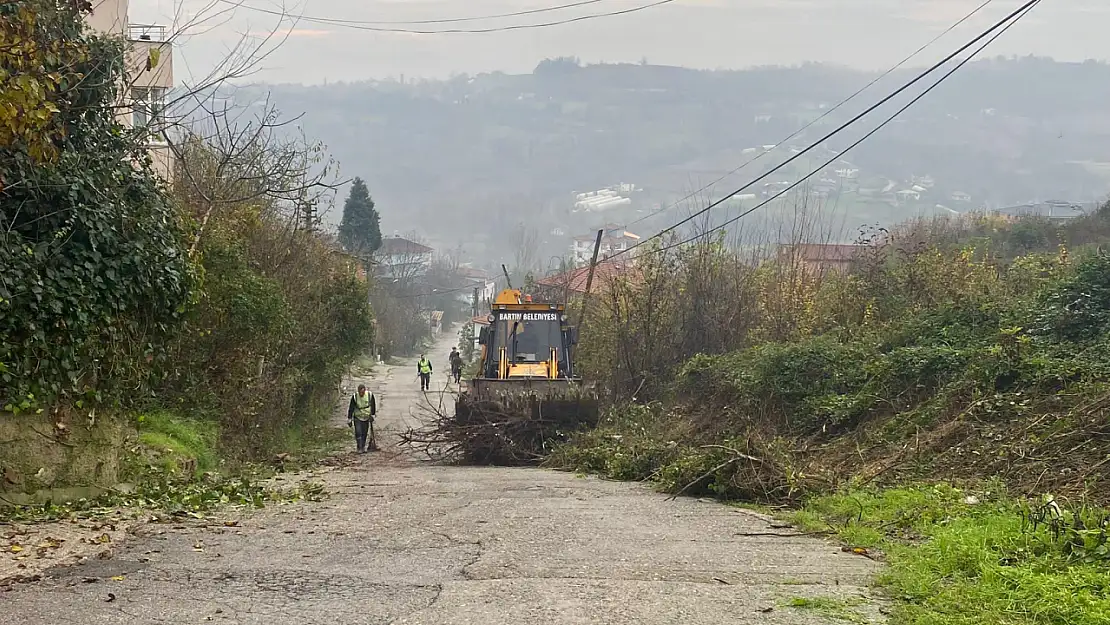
710	34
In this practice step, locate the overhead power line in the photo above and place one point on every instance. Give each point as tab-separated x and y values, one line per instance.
382	27
832	110
446	20
1005	23
861	139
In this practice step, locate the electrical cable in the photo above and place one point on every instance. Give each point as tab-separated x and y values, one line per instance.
1016	17
832	110
921	76
447	20
492	29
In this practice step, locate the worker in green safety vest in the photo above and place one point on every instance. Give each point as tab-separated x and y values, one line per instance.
360	414
424	370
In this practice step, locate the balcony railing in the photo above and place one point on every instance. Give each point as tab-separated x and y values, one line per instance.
146	32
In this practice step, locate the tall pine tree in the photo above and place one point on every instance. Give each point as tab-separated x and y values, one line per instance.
360	231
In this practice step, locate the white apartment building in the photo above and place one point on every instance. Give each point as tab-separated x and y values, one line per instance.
149	62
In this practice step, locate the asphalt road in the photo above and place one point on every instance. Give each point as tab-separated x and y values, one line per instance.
402	541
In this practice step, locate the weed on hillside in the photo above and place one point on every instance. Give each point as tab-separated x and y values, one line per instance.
961	557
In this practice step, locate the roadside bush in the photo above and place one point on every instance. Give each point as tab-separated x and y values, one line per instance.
211	308
1078	309
280	310
783	384
94	276
278	317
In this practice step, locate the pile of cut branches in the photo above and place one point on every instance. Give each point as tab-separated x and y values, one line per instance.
512	431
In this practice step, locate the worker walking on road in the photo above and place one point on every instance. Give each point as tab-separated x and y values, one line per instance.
456	364
424	370
360	414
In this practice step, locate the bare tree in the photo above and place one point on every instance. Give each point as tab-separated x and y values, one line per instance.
525	241
402	295
229	158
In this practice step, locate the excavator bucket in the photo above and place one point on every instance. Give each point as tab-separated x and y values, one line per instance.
510	422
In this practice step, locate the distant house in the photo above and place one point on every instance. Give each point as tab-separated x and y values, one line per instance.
823	257
399	257
614	240
479	280
561	286
1053	210
908	195
774	188
435	321
927	182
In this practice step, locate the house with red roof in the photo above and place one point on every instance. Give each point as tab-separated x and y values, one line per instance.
399	257
565	285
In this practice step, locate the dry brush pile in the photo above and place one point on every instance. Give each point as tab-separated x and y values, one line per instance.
510	430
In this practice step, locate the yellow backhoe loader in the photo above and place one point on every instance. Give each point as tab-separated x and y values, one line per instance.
526	373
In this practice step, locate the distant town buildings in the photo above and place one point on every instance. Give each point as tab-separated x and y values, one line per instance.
604	199
1053	210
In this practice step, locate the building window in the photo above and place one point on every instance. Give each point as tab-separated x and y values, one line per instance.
148	111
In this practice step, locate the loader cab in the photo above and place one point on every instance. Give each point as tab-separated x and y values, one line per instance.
527	340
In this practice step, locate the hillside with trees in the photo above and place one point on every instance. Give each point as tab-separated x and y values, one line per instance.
478	154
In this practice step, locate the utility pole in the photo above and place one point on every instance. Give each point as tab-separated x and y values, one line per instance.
308	210
309	217
590	278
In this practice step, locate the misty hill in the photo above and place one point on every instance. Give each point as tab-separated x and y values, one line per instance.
452	157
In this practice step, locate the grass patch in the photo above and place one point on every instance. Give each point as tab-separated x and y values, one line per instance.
982	558
307	447
828	607
177	444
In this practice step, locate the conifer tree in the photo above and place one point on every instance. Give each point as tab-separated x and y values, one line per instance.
359	231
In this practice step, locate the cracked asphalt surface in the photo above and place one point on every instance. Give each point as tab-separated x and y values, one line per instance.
405	542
